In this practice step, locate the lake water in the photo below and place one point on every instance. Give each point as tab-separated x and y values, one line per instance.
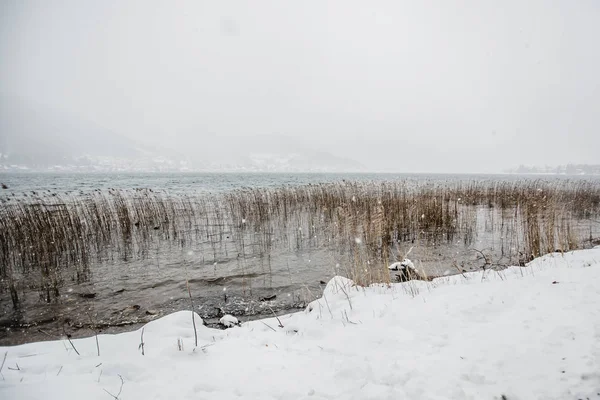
249	283
222	182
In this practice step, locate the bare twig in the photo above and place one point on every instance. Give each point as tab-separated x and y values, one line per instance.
311	294
69	339
141	346
48	334
206	346
94	329
487	262
459	270
278	320
268	326
348	319
2	366
97	343
120	389
31	355
327	303
500	275
193	313
58	373
347	297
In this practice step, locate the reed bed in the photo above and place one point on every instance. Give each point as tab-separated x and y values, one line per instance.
56	237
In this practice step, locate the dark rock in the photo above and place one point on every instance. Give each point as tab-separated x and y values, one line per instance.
408	274
269	298
128	311
87	295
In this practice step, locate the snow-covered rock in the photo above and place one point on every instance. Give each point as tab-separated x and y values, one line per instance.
338	284
406	263
407	271
229	321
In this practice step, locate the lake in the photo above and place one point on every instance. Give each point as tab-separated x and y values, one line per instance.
257	244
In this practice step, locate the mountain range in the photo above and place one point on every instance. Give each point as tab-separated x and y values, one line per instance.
39	138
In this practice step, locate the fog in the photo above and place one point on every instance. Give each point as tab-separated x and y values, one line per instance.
407	86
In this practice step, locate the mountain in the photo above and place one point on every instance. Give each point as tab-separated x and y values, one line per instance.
40	138
269	153
44	135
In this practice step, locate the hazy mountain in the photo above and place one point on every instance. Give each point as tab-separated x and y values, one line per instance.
40	137
268	153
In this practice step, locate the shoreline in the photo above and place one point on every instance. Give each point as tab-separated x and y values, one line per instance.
445	338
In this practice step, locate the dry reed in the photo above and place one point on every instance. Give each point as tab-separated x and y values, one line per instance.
58	237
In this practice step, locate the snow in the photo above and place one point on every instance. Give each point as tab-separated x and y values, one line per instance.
521	333
395	266
399	265
229	321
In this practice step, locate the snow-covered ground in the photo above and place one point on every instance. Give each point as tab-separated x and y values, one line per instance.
523	333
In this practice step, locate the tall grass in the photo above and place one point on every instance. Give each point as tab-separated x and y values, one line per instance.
58	237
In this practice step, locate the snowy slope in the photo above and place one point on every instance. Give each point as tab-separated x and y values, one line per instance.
524	333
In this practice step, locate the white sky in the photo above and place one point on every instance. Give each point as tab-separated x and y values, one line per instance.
414	86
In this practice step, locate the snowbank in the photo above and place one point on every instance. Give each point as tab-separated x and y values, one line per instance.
523	333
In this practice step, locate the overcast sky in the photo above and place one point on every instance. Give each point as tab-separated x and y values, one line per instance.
416	86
